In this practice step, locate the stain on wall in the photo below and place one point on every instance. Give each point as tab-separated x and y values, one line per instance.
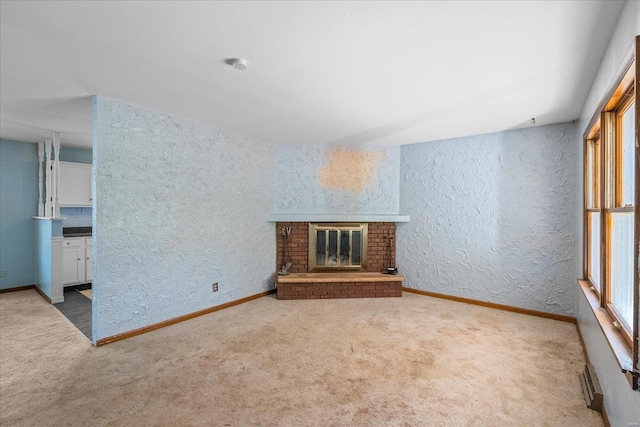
349	170
316	179
492	217
179	205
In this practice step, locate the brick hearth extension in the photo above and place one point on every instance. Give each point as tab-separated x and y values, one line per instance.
371	284
338	285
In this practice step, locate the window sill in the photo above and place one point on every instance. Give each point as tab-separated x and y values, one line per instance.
618	345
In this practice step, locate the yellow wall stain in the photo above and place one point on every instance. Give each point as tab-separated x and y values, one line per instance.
349	170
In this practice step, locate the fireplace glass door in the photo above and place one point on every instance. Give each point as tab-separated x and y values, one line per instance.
337	247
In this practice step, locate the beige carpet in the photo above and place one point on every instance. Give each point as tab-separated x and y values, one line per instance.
87	293
411	361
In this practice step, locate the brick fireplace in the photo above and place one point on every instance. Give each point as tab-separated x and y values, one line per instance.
300	284
298	250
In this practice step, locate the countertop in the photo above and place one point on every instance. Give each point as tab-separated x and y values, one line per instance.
76	232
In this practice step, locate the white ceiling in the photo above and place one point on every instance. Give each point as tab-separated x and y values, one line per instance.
319	72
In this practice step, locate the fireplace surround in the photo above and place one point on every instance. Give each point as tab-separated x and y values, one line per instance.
377	247
365	280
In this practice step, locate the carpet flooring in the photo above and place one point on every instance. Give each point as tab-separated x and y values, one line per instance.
410	361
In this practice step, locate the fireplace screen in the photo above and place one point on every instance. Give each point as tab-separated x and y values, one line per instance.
337	247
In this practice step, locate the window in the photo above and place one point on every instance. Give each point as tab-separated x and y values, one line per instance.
620	217
610	210
592	204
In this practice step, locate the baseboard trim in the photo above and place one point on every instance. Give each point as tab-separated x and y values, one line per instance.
605	418
584	347
26	288
17	288
164	324
536	313
42	294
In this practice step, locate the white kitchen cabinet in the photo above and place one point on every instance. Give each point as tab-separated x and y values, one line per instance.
72	267
76	261
74	184
88	259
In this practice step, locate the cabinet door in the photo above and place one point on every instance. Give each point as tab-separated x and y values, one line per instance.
72	265
75	184
88	269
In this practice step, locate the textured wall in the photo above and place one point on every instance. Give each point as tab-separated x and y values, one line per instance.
178	205
492	217
316	179
19	203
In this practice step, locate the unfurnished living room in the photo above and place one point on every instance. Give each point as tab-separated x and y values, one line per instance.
317	213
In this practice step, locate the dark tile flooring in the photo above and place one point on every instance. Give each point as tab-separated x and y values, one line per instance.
77	308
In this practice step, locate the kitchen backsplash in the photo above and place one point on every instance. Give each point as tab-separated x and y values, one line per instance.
76	217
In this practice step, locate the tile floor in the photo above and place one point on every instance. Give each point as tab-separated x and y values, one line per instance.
77	308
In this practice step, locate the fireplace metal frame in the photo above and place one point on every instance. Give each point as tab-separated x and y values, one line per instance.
339	227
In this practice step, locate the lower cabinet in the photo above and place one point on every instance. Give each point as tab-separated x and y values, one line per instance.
76	260
88	260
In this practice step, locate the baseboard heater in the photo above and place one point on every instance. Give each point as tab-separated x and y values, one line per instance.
591	388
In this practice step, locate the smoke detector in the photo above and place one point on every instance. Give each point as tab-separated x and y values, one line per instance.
238	63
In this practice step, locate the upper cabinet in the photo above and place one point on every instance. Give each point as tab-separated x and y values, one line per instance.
74	184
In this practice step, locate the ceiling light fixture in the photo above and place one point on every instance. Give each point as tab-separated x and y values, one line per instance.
238	63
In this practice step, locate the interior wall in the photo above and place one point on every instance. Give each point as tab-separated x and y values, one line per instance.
19	195
178	206
492	217
622	403
47	270
325	180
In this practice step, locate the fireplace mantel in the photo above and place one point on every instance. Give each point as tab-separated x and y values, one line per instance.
336	218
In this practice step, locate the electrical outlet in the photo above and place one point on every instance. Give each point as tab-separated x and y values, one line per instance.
215	287
3	273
